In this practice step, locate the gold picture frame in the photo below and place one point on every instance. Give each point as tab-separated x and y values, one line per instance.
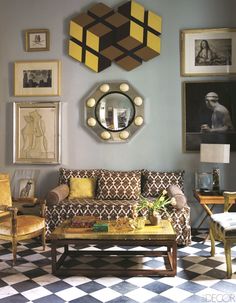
37	137
207	52
37	40
37	78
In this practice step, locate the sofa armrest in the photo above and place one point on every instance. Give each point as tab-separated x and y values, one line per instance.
57	194
180	198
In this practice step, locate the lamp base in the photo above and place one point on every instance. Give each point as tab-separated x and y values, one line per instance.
216	179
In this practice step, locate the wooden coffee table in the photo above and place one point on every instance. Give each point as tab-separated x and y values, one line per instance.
162	235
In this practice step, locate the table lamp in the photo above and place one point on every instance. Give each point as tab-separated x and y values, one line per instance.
215	153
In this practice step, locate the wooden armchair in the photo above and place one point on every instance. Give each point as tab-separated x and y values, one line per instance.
15	228
223	228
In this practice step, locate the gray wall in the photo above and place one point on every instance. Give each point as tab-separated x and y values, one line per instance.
158	145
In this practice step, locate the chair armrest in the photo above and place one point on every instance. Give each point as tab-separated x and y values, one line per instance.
228	197
57	194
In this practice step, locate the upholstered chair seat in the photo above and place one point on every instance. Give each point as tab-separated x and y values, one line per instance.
24	225
223	228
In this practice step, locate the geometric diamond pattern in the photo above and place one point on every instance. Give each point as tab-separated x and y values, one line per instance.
200	278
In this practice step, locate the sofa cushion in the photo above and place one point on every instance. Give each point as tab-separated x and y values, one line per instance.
57	194
65	174
119	185
82	188
175	192
155	182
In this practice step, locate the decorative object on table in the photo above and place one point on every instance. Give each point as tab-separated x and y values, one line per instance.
37	78
215	153
27	188
37	132
154	208
102	36
206	52
100	227
114	111
203	182
37	40
122	224
83	221
209	114
20	177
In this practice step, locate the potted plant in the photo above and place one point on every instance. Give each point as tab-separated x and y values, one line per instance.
153	208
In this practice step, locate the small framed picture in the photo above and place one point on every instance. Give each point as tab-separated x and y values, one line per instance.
37	40
37	78
26	188
37	132
206	52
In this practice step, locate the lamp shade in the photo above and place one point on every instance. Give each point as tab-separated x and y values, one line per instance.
215	153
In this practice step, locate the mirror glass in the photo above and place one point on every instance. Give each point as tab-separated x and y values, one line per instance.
115	111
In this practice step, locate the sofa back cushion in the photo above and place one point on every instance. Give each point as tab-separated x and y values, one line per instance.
119	185
65	174
155	182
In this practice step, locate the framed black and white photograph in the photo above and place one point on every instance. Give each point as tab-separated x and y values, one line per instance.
37	132
37	40
26	188
208	52
37	78
209	114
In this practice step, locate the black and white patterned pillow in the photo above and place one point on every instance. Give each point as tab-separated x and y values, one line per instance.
119	185
65	174
155	182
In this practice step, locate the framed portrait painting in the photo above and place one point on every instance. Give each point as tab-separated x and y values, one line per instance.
37	132
206	52
209	114
37	40
37	78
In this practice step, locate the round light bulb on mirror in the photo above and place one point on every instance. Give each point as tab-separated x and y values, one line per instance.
104	88
138	121
124	87
138	101
91	122
91	102
105	135
124	135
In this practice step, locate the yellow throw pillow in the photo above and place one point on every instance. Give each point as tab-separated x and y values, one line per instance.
82	188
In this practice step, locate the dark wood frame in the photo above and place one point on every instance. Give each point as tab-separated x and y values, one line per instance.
195	113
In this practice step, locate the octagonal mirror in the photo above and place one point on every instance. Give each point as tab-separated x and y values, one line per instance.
114	111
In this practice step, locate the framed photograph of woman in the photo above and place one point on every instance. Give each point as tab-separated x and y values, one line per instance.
37	132
206	52
209	114
37	40
37	78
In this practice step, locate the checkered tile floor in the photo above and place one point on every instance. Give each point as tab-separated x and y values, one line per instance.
200	278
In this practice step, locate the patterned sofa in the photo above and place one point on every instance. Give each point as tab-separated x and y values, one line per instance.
116	193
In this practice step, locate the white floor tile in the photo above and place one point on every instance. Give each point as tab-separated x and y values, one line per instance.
105	294
71	293
36	293
141	295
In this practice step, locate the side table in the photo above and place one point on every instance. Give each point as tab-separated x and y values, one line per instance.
209	202
26	205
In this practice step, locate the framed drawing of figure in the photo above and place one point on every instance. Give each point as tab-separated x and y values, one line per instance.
209	114
26	188
37	132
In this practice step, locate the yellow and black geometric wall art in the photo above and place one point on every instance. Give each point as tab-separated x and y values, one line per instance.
127	36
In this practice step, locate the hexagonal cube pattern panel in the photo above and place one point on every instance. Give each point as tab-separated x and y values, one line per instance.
127	37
